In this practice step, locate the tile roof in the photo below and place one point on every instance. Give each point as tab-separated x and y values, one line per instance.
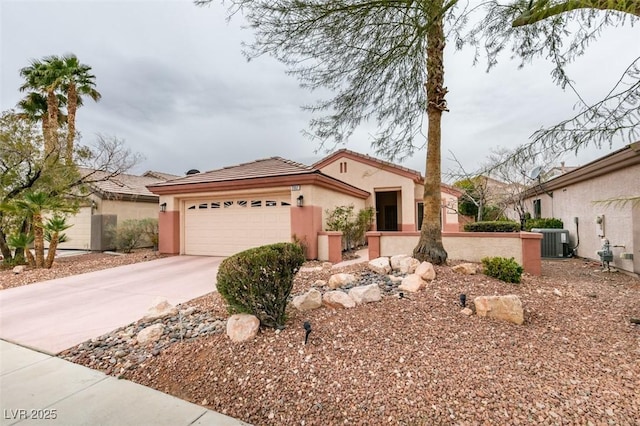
268	167
160	175
110	185
339	152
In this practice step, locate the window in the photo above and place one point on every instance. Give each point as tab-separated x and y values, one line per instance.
228	204
215	205
284	203
256	203
420	215
537	208
192	208
343	167
270	203
242	203
203	206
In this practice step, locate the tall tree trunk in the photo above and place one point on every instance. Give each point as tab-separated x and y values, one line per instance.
51	139
72	106
4	247
53	245
430	246
38	241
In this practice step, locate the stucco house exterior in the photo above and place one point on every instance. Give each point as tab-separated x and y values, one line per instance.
590	202
111	199
224	211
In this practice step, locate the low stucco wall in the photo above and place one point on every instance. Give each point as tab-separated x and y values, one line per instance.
524	247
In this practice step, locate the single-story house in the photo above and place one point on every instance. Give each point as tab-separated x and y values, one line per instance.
224	211
111	199
594	202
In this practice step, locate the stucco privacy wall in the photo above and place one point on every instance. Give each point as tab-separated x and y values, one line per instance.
585	200
467	246
327	199
376	179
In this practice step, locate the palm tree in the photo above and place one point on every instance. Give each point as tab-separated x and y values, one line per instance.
78	81
34	204
53	233
62	81
22	241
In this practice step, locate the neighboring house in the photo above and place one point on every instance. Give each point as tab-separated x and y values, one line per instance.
224	211
111	199
590	202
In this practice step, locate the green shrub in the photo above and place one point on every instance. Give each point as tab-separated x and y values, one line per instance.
258	281
507	270
545	222
128	235
493	226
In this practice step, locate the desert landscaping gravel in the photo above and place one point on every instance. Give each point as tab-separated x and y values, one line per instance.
416	359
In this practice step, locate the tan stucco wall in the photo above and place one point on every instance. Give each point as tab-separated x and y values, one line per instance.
621	222
374	179
323	247
328	200
126	210
79	234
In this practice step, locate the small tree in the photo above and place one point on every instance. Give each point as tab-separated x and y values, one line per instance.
53	234
352	226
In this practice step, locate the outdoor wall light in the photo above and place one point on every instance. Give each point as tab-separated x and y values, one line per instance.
163	207
300	201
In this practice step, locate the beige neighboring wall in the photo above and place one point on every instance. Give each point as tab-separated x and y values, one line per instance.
126	210
582	193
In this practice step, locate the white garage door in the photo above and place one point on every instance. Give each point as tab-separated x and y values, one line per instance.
224	226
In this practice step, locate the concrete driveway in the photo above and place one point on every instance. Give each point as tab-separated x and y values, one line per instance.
55	315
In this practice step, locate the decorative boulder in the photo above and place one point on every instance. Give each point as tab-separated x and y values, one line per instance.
338	299
380	265
467	311
466	268
319	283
242	327
150	334
409	265
18	269
412	283
507	308
426	271
366	294
308	301
340	280
161	308
397	260
394	278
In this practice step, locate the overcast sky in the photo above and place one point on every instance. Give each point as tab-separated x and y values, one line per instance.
177	89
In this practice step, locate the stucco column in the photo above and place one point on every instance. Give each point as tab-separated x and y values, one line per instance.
531	252
169	232
373	241
306	222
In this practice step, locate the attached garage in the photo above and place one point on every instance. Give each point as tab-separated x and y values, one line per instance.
222	226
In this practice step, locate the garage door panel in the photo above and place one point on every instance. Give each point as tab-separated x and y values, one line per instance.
222	227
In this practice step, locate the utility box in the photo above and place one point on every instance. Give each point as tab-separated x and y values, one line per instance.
555	242
103	227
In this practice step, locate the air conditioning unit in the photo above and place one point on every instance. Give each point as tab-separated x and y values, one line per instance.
555	242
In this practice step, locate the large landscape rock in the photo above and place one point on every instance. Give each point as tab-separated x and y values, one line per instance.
426	271
340	280
466	268
412	283
150	334
380	265
507	308
409	265
161	308
242	327
18	269
308	301
366	294
338	299
397	259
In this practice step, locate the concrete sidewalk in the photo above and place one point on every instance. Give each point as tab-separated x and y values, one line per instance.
55	315
36	388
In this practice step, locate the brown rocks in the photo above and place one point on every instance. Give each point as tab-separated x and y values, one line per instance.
340	280
161	308
366	294
150	334
507	308
426	271
408	265
18	269
397	260
412	283
242	327
308	301
380	265
338	299
466	268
